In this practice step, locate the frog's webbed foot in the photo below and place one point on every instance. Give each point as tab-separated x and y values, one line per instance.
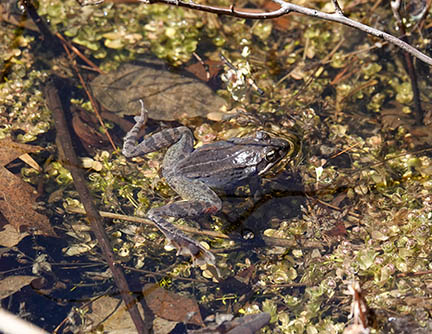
185	245
142	119
129	145
189	247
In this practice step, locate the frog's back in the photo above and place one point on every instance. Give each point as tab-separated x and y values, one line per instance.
220	165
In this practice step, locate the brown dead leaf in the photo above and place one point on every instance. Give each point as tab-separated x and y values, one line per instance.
113	315
85	125
338	230
10	150
282	23
12	284
166	95
199	70
116	319
17	198
162	326
10	237
171	306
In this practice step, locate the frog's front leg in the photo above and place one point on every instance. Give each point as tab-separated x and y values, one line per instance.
198	199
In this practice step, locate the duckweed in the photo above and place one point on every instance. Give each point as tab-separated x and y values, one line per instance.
368	202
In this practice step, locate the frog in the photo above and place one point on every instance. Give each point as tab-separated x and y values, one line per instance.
196	173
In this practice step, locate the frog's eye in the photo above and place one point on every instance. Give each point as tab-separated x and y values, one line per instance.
271	156
261	135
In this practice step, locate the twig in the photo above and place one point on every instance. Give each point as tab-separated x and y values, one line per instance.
54	43
92	65
58	42
146	221
287	8
89	95
344	150
357	25
408	63
268	241
338	9
412	274
71	162
328	205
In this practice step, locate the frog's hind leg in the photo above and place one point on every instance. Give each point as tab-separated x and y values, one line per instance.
184	244
165	138
181	136
198	199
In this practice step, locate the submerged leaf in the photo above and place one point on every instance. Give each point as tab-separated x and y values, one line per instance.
12	284
167	95
171	306
18	198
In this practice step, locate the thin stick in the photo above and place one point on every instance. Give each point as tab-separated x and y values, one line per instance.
408	63
75	50
70	161
338	9
269	241
287	8
89	95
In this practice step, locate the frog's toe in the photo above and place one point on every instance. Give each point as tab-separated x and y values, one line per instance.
198	253
203	256
141	119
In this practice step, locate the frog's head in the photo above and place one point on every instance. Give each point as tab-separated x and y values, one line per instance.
273	150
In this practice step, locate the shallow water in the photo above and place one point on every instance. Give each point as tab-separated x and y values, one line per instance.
353	204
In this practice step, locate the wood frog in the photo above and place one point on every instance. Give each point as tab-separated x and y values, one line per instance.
194	173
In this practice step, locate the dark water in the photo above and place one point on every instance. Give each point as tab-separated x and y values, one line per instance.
354	204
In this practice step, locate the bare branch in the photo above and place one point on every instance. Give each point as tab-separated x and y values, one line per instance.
287	8
408	62
357	25
338	9
231	11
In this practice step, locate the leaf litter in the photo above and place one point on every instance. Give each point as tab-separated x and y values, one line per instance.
18	198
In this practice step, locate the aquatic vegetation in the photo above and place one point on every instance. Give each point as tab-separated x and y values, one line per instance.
364	212
123	32
21	98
